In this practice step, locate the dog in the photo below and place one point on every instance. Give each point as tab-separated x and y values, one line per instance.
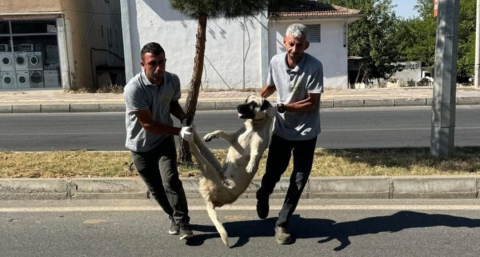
220	185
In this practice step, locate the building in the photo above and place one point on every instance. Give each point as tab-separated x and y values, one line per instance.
58	43
237	51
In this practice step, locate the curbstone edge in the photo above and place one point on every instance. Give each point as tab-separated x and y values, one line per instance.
26	108
51	108
111	188
33	189
346	187
84	107
348	103
435	187
6	108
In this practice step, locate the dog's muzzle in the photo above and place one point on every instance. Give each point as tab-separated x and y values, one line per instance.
246	111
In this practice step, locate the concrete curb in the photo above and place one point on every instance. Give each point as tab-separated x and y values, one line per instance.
383	187
225	105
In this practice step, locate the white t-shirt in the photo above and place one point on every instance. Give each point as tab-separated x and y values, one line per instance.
292	86
141	94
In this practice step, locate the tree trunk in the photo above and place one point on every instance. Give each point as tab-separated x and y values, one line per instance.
184	155
358	76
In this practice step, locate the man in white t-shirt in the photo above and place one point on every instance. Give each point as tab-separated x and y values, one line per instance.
150	97
298	79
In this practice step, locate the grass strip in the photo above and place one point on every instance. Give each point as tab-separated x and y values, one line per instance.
356	162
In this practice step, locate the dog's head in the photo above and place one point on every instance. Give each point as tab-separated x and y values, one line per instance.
255	107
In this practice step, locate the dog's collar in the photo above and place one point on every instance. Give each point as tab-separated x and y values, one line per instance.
259	120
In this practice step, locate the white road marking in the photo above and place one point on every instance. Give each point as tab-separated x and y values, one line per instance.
244	208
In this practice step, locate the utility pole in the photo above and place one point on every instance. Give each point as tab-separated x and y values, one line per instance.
477	48
444	95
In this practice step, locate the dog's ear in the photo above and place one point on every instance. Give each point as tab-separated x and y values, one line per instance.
266	104
248	98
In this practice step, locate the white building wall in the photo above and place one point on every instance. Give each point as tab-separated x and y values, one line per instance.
330	51
91	24
233	56
229	43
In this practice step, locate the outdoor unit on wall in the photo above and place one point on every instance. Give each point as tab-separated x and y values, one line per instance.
23	79
314	33
7	62
9	80
51	78
4	47
35	61
21	61
36	79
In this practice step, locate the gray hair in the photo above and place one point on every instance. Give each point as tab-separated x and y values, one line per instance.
297	30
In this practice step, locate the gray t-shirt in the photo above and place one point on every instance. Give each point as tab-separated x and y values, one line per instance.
292	86
141	94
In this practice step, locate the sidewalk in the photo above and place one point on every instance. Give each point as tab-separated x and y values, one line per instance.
30	101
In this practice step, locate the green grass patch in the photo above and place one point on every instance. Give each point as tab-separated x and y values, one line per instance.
357	162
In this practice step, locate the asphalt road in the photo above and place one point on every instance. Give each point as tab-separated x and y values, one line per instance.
341	128
421	228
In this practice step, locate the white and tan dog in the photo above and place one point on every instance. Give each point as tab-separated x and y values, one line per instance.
220	185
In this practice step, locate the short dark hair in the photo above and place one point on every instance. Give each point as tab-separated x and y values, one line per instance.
153	48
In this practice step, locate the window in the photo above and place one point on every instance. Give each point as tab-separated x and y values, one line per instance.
4	27
34	27
314	33
29	56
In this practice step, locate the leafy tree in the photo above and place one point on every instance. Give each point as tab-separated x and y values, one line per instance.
202	10
466	38
418	36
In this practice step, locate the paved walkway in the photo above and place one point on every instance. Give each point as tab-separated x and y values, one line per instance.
59	96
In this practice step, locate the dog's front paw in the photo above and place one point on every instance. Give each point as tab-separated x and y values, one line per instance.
208	137
251	168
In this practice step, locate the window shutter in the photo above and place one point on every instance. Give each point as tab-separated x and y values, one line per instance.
314	33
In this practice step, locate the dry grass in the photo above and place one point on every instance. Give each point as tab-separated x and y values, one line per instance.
387	162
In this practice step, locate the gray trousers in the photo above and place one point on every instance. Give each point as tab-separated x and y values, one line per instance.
158	168
279	154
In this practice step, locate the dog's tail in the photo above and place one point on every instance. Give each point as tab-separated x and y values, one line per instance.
213	216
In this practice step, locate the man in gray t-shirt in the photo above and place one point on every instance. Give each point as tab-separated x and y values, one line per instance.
298	79
150	97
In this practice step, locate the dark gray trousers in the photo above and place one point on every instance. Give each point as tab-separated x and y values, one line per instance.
158	168
279	153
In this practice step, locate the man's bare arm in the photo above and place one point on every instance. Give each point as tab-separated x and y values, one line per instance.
304	105
176	110
145	118
267	91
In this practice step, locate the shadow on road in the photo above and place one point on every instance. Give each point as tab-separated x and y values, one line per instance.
328	230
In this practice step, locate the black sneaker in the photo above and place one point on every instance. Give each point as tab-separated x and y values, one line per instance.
174	228
262	208
185	231
283	236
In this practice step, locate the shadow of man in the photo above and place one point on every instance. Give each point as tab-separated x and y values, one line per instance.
393	223
303	228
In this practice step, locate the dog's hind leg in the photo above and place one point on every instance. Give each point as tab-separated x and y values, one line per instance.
213	216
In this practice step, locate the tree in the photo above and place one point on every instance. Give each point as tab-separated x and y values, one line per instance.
202	10
417	36
466	38
374	37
